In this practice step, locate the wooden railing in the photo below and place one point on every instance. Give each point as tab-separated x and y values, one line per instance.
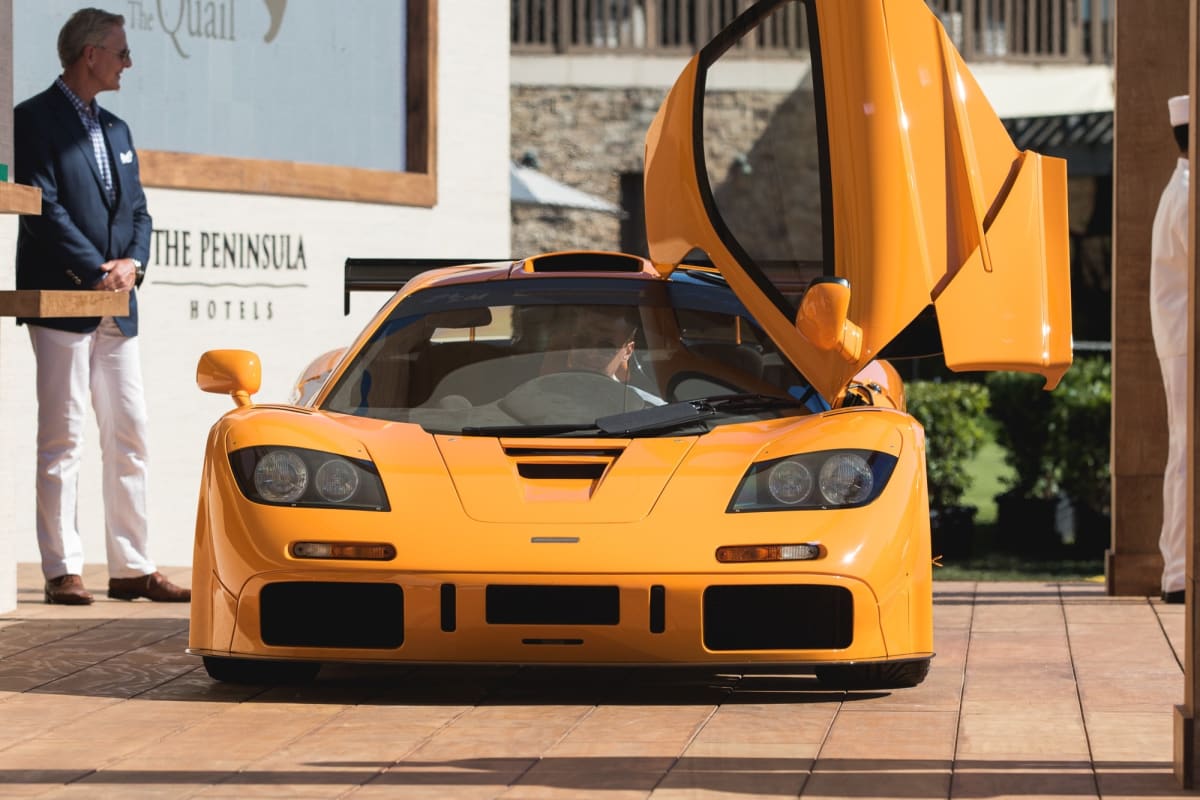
1061	31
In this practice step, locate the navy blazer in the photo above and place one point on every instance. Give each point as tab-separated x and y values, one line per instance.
78	229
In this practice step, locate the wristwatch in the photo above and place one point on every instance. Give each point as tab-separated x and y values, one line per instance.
139	269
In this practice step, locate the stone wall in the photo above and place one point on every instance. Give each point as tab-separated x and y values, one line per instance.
585	138
589	137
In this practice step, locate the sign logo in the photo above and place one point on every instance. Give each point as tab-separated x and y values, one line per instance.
186	20
275	8
228	275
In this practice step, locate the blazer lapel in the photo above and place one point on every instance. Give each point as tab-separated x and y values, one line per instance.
70	121
117	144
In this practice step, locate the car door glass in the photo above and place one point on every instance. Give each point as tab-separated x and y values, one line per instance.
762	152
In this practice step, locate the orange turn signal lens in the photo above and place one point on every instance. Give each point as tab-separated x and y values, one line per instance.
741	554
362	551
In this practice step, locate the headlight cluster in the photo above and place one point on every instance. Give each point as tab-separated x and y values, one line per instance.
828	479
295	476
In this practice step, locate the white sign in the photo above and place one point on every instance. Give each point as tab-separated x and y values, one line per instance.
305	80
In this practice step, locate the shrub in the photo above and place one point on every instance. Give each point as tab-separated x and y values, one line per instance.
1079	435
1057	442
1021	407
954	415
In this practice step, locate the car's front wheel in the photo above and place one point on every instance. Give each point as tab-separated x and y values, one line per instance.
246	670
889	675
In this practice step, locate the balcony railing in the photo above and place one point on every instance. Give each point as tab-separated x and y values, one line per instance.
1056	31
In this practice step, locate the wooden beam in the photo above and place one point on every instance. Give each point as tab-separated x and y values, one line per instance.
16	198
48	303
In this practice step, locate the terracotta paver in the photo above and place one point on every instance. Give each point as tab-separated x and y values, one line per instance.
1039	690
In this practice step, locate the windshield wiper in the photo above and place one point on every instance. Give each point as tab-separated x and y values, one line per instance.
688	412
652	418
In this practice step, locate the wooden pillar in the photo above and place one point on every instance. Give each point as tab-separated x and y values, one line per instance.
1151	65
1187	762
8	566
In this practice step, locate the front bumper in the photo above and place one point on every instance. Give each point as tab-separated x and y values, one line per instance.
502	618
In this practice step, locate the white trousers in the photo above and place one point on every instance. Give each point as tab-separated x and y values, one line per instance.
106	364
1172	542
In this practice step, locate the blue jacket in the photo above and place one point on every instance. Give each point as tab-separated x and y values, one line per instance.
78	229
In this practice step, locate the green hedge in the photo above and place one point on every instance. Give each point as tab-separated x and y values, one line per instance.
954	415
1022	409
1058	441
1081	432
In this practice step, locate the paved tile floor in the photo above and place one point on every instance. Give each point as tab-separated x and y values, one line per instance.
1038	690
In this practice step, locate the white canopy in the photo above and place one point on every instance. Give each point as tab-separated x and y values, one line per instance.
529	187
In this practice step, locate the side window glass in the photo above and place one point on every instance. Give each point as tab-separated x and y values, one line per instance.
762	150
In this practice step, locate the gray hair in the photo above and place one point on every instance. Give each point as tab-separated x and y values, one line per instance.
87	26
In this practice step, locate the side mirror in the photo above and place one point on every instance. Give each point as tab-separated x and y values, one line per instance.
234	372
822	318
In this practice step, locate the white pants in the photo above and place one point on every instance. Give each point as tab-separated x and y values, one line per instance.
1173	539
106	364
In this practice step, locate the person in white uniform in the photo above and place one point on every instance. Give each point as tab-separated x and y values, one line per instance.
1169	264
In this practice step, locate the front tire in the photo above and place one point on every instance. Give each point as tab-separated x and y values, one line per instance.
887	675
245	670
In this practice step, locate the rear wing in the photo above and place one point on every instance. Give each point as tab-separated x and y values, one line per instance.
390	274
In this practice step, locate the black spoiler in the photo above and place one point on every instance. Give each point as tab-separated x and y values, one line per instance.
390	274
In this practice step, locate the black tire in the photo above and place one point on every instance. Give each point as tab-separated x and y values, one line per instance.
245	670
887	675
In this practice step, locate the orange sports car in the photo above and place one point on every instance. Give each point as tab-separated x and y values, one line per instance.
696	457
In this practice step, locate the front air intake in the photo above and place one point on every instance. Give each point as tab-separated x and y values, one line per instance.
778	618
553	605
303	614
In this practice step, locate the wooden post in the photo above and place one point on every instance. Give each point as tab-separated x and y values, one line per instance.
1151	65
1186	761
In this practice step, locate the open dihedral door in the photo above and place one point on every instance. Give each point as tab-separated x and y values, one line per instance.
844	192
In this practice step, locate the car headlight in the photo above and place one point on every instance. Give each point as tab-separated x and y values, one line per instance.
296	476
823	480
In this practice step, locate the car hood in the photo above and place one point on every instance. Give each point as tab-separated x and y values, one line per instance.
560	481
915	197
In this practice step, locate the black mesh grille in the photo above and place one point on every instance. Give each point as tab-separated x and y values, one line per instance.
332	615
553	605
587	262
778	618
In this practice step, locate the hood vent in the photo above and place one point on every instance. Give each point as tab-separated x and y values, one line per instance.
546	471
559	452
585	262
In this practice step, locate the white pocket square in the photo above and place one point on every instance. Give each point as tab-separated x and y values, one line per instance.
127	157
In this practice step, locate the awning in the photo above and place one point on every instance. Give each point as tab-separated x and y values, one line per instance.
529	187
1045	90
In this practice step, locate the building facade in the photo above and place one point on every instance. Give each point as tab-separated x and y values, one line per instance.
275	141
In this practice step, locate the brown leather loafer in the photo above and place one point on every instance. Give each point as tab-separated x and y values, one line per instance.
67	590
153	587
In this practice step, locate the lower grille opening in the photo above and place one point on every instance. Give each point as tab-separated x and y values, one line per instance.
778	618
658	608
553	605
449	607
368	615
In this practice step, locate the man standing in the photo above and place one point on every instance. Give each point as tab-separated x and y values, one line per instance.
1168	319
93	233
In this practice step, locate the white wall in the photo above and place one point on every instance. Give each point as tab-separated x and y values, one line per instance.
471	218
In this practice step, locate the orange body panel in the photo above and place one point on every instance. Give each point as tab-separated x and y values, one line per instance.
476	498
927	191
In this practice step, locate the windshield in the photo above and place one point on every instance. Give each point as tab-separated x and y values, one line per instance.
555	356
